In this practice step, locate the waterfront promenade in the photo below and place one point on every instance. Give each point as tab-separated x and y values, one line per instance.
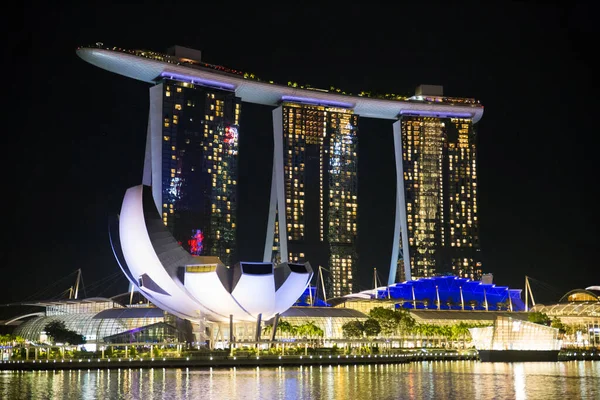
234	361
262	361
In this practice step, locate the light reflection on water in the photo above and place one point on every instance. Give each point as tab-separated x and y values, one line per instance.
425	380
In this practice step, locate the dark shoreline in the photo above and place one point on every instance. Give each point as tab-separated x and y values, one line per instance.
262	361
225	362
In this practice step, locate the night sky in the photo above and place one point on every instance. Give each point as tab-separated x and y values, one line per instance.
75	134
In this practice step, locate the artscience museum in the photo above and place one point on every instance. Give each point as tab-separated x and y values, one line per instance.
197	288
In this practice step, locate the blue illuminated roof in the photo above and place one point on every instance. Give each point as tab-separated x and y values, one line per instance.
422	294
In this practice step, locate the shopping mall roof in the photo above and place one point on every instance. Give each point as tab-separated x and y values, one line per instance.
589	294
425	316
582	309
150	66
130	312
62	302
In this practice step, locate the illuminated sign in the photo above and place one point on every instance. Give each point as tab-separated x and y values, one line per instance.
196	242
231	135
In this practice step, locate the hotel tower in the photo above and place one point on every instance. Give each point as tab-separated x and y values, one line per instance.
436	225
191	164
313	206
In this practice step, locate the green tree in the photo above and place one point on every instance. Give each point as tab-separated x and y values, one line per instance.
371	327
5	339
60	334
353	329
287	328
267	329
388	319
309	330
406	322
558	324
539	318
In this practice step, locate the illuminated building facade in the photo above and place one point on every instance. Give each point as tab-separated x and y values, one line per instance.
313	209
436	228
191	164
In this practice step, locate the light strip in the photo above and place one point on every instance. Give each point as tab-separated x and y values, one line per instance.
312	100
436	113
195	79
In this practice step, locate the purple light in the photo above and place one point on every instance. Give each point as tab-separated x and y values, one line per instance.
437	113
195	79
312	100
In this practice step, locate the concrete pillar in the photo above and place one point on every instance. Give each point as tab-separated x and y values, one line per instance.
27	353
231	335
275	323
36	353
48	353
257	336
102	351
126	348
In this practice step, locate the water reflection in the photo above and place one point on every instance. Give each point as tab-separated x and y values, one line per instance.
425	380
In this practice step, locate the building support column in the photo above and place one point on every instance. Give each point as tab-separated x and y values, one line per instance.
257	335
275	323
400	225
277	200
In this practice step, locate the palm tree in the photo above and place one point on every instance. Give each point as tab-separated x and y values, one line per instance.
285	327
267	330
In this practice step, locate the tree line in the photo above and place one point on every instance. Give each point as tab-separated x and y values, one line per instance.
389	322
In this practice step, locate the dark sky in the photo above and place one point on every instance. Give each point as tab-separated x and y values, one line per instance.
74	134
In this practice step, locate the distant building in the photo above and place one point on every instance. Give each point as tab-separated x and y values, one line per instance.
313	210
437	228
579	311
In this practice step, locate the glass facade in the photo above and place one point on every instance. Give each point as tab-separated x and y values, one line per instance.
513	334
95	330
440	192
320	190
199	168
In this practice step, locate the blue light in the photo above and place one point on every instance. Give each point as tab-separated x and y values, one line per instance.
312	100
440	113
195	79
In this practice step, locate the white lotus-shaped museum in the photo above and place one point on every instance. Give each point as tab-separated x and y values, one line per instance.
197	287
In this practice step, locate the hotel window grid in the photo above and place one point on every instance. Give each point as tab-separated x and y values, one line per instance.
440	184
326	137
199	156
